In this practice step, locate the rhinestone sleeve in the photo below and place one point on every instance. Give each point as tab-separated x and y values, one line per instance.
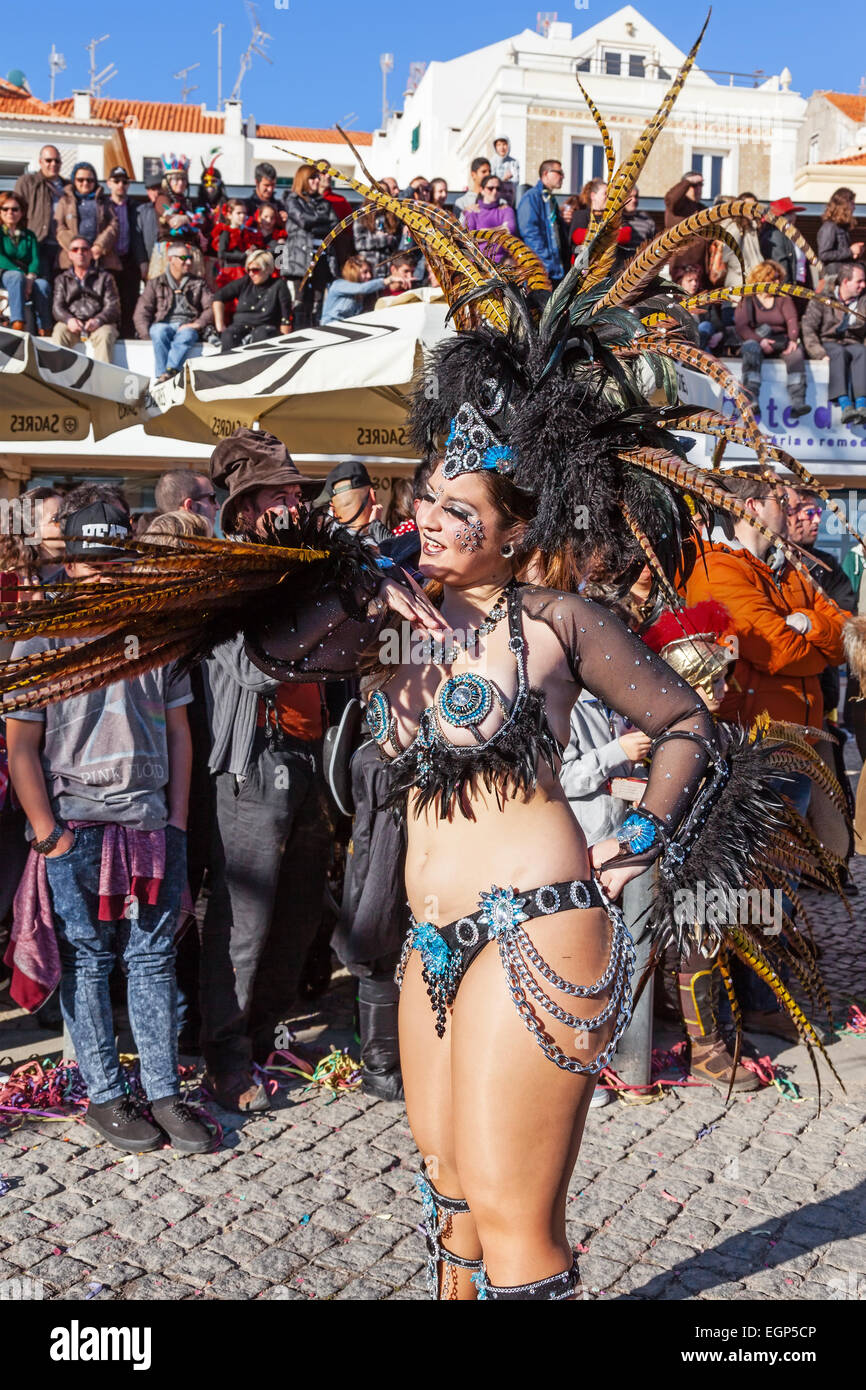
619	669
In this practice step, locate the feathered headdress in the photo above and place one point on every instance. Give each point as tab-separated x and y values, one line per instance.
573	392
175	164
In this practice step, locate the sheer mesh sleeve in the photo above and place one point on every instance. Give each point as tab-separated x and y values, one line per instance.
317	626
615	665
313	639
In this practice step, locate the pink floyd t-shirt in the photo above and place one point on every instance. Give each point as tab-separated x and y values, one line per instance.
105	753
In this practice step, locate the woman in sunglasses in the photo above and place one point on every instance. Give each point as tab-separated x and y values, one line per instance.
83	211
263	307
19	267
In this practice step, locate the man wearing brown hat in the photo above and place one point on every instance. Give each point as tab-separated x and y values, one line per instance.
775	246
272	830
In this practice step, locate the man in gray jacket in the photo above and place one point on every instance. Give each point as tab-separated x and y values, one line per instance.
273	834
172	311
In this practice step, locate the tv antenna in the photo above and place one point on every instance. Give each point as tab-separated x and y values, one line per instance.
255	49
386	63
99	79
181	77
219	33
56	64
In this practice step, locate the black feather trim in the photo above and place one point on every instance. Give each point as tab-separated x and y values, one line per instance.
507	766
737	849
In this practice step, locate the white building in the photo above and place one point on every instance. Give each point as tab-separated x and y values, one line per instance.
26	124
156	128
740	131
831	150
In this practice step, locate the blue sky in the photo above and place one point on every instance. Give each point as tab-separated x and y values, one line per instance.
326	52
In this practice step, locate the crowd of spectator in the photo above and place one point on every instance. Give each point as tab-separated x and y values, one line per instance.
228	768
82	264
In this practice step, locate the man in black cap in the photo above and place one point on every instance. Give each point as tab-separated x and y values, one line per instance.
103	778
273	832
349	489
128	277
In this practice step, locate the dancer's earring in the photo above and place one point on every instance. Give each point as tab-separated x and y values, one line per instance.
506	551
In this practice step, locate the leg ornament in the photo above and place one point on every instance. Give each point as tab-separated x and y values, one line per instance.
555	1289
439	1212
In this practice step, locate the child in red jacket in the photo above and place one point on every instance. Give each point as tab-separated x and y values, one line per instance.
234	240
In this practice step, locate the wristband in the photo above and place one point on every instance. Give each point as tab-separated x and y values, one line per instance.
45	846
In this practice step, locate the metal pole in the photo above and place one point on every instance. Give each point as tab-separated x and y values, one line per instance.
633	1059
219	33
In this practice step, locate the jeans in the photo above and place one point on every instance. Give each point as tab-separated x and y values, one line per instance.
795	365
847	369
13	282
172	344
268	871
87	954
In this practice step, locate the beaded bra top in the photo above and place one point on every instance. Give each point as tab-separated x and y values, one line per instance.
438	769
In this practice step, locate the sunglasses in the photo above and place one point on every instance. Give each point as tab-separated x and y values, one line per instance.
176	257
78	179
51	159
115	178
81	249
10	207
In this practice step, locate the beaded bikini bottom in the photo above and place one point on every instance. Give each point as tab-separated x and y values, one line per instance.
447	953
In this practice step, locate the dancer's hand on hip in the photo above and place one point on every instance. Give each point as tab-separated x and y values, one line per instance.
613	879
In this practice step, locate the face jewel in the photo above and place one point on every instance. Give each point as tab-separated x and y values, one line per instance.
501	910
471	537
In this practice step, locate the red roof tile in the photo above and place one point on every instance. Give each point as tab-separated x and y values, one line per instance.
854	107
312	136
17	101
849	159
150	115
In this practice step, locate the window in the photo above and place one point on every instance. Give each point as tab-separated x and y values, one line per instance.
812	157
587	162
11	168
613	63
416	139
664	75
636	65
582	65
712	168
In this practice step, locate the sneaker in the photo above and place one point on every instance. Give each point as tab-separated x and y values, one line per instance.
600	1096
237	1091
184	1130
799	408
121	1122
852	416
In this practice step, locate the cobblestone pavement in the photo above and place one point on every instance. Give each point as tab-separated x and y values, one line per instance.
681	1199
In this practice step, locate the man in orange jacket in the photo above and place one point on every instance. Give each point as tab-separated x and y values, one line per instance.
787	631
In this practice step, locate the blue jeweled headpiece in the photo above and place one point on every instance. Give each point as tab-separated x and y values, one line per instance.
472	444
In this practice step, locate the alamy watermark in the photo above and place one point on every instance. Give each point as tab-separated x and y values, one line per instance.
729	907
22	516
